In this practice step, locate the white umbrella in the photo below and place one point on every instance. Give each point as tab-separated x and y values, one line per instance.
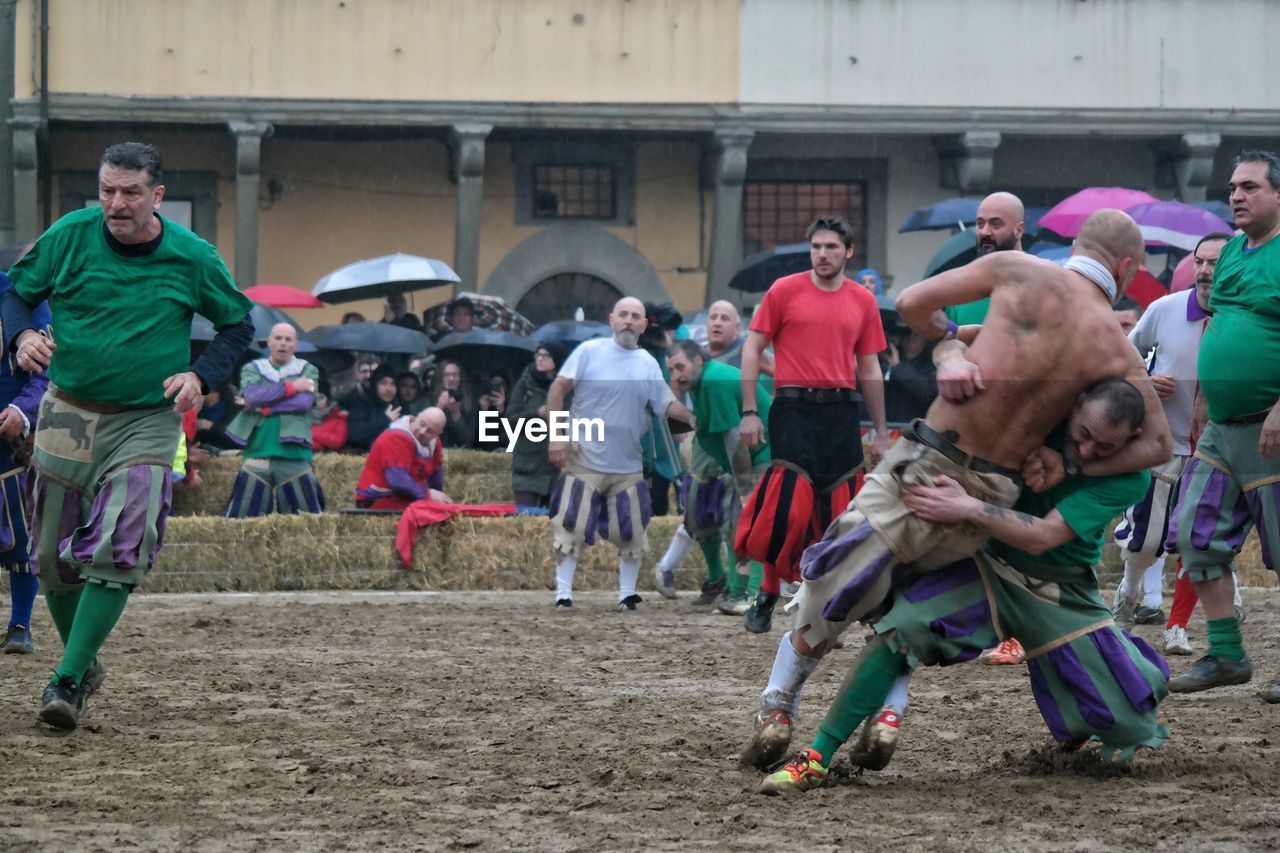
383	276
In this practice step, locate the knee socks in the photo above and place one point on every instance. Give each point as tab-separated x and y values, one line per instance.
786	680
713	552
628	571
99	610
681	545
23	587
564	576
1224	638
62	609
862	693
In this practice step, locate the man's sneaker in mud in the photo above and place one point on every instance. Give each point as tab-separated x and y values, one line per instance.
1008	653
1210	672
91	683
628	604
770	742
17	640
733	605
802	773
1122	611
1176	641
1144	615
564	605
710	592
759	617
62	703
664	580
877	741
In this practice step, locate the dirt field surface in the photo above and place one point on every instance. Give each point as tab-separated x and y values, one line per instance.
486	721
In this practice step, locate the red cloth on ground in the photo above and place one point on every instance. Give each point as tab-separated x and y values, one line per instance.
393	465
426	511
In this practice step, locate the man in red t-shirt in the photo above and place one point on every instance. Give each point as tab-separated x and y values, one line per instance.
825	331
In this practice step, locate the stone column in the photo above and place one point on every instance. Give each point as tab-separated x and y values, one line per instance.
8	43
726	167
1187	164
967	160
466	154
26	175
248	136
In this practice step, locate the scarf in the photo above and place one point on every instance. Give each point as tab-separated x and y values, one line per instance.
1095	272
426	451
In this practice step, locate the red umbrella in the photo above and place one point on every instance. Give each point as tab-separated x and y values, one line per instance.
1068	215
1145	288
282	296
1184	274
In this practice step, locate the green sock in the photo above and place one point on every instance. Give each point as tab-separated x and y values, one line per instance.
1224	638
753	579
99	610
861	694
713	553
62	608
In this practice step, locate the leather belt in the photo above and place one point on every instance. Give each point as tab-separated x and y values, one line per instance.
815	395
1255	418
921	432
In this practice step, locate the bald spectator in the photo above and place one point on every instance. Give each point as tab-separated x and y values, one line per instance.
405	464
998	228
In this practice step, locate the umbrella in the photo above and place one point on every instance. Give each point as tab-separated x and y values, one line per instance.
481	352
1172	223
889	318
1055	252
1220	209
491	312
1068	215
1144	288
383	276
759	271
263	316
952	213
958	250
282	296
370	337
1184	274
570	333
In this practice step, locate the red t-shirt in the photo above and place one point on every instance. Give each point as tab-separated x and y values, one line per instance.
816	333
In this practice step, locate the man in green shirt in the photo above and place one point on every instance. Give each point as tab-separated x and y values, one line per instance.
1232	482
1035	579
725	470
122	285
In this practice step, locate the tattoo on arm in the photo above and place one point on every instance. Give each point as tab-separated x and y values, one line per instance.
993	511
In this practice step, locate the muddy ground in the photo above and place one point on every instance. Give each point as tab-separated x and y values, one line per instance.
485	721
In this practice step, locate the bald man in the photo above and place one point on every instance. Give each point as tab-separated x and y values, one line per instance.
274	428
601	492
1048	336
405	464
998	227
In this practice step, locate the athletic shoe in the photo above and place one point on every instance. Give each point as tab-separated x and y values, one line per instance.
1272	695
628	604
62	703
1176	641
1008	653
1148	615
759	617
17	640
790	588
1122	611
736	605
664	580
1210	672
710	592
876	742
770	741
91	683
564	605
802	773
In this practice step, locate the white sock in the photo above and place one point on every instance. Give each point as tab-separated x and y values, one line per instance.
681	544
1153	585
564	576
786	681
1132	584
628	571
897	698
1235	583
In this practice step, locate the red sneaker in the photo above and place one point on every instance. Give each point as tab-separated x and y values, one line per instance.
876	742
1008	653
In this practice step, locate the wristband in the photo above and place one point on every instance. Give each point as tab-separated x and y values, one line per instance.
746	412
950	333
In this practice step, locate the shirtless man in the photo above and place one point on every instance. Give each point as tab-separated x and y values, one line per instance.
1048	336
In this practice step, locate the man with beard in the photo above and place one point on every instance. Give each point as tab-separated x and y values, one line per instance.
602	491
998	228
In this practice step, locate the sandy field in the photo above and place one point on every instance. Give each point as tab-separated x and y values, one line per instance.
484	721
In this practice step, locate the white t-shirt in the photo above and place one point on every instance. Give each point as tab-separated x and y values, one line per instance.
1173	325
624	388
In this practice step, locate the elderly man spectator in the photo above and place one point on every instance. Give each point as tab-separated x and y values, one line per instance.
602	490
274	428
396	312
406	464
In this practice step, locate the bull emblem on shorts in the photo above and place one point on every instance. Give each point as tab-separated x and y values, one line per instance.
77	427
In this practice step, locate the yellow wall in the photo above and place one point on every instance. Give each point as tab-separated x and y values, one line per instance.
625	51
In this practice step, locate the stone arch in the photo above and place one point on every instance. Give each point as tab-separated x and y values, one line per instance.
575	247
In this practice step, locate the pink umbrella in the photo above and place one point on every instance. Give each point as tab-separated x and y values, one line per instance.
1172	223
1068	215
282	296
1184	274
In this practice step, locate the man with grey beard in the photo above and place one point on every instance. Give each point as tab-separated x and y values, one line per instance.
602	490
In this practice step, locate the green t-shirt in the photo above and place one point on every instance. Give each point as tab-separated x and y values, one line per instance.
122	324
717	405
1239	366
1087	504
969	314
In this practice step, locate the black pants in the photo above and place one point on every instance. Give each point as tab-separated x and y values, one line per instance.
822	439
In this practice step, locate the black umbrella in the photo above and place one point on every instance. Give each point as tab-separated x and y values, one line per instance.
570	333
370	337
889	318
759	271
956	251
952	213
263	316
481	352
